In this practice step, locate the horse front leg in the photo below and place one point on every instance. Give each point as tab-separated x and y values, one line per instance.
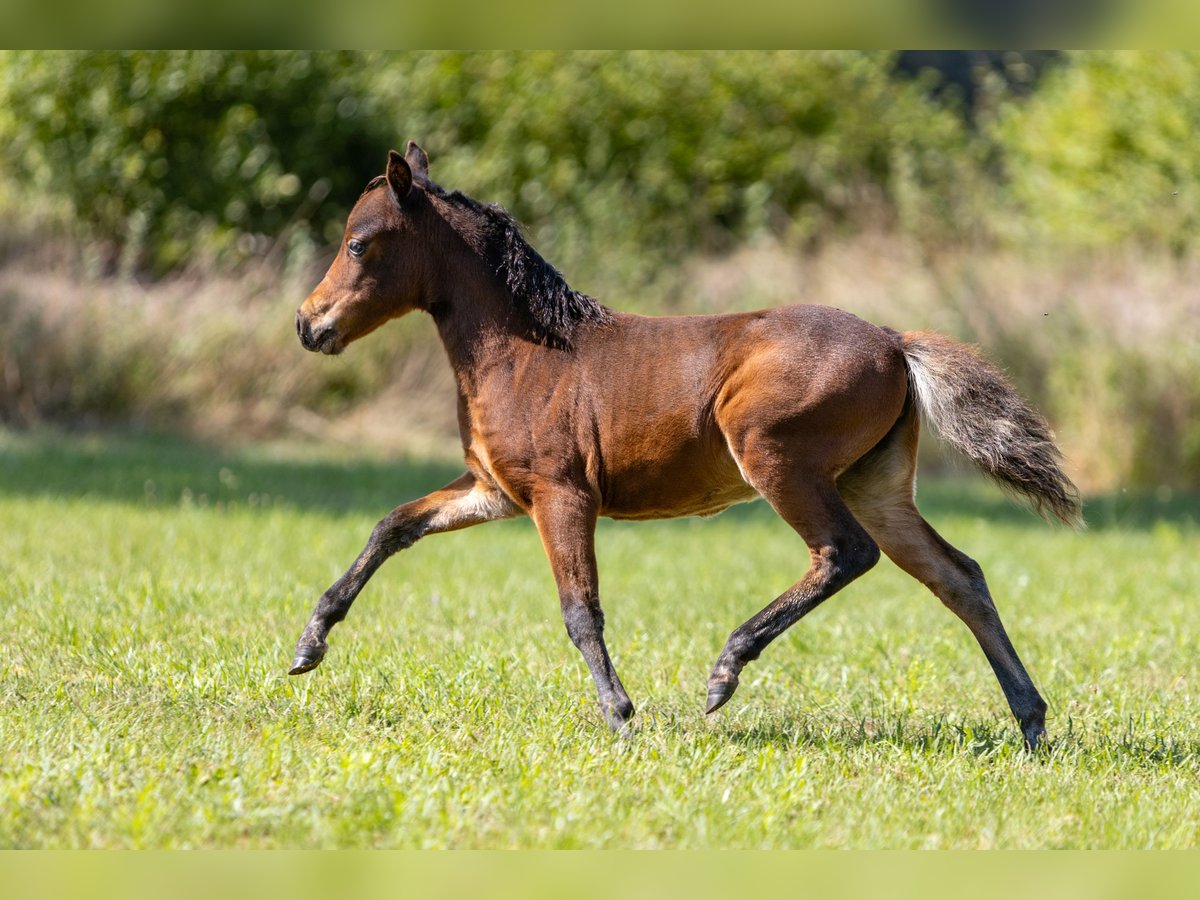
460	504
566	522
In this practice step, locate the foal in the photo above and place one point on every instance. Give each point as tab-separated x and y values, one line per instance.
569	411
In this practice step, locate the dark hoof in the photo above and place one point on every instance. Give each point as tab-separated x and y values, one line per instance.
618	715
307	659
1035	737
719	693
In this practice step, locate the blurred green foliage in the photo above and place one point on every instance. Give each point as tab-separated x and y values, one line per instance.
1105	152
670	154
164	158
623	165
617	161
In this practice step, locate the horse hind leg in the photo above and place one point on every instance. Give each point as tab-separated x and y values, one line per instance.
879	489
840	550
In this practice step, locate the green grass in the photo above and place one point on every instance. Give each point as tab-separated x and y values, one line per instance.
154	589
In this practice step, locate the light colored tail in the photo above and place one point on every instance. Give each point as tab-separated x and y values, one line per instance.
971	405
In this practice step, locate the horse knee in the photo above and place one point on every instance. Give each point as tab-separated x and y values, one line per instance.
393	533
847	559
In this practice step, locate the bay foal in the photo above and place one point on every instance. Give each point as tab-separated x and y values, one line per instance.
569	411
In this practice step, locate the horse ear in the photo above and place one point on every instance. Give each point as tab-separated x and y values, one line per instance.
399	175
417	160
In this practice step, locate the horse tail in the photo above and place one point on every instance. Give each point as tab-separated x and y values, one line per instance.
971	405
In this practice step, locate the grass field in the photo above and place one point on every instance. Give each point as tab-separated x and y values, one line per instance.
153	590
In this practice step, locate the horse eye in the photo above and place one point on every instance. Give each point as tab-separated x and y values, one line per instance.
356	247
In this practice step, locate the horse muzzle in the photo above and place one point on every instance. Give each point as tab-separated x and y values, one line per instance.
323	340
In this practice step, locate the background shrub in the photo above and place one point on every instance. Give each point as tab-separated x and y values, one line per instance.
162	158
165	157
1051	219
1105	153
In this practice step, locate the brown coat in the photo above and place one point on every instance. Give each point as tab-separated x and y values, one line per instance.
569	411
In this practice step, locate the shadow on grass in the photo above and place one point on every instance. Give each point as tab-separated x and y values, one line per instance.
1141	748
157	469
881	729
146	469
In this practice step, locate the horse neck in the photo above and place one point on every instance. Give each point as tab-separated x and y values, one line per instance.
479	328
482	330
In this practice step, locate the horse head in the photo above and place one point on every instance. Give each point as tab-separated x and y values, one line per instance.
379	271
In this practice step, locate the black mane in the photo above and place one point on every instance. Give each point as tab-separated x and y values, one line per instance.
539	290
375	182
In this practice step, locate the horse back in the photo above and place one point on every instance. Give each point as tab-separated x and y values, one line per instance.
677	403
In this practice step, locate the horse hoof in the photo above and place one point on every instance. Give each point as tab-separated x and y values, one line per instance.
719	693
1035	738
307	659
618	715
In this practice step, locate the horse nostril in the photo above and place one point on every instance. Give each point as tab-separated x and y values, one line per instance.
304	331
324	338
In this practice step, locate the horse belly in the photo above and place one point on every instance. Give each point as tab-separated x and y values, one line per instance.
694	480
